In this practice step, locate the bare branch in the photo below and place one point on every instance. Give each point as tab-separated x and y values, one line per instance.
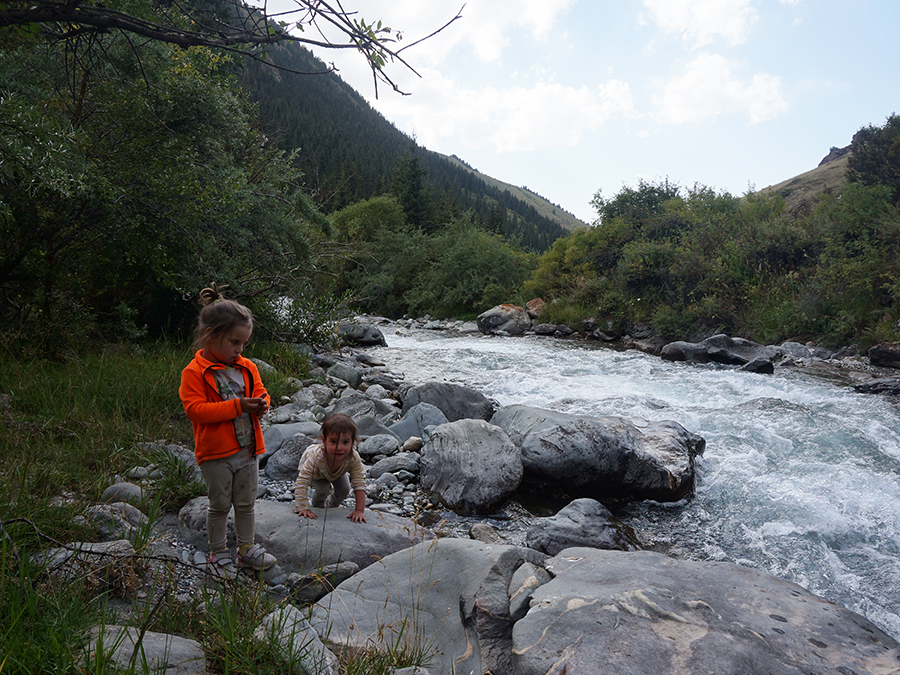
252	31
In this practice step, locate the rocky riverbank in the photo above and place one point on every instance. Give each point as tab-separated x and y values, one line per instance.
542	604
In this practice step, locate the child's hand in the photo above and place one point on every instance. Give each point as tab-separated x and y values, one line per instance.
357	517
254	406
306	513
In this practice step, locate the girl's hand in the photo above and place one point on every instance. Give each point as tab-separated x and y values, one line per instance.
357	516
306	513
254	406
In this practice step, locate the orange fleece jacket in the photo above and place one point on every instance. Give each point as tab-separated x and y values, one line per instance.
212	416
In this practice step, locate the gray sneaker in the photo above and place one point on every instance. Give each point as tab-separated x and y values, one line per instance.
256	558
221	566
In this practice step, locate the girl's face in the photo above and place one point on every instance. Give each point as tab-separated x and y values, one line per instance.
338	447
228	347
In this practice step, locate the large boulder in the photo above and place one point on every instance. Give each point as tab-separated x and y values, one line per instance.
456	401
633	613
583	522
719	349
302	545
356	404
885	354
361	334
449	594
470	466
605	458
508	319
415	419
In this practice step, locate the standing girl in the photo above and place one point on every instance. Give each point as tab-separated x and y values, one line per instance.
224	397
332	466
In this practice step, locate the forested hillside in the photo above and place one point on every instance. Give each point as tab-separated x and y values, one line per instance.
349	152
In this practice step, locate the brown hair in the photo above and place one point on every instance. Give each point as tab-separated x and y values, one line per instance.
339	424
219	315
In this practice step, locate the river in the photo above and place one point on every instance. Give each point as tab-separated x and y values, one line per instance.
800	476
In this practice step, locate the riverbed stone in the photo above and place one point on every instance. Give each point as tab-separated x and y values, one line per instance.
283	464
582	522
471	466
159	652
506	319
456	401
301	544
885	354
605	458
449	593
718	349
416	419
632	613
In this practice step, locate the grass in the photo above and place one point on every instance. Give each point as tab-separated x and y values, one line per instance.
68	426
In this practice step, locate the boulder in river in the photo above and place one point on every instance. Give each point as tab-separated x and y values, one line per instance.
605	458
470	466
505	319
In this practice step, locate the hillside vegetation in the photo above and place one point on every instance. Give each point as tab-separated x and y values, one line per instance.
693	261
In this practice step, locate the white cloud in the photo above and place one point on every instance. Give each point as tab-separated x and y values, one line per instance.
544	115
702	22
708	88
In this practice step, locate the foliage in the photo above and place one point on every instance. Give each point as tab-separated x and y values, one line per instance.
136	187
693	261
875	156
470	270
246	29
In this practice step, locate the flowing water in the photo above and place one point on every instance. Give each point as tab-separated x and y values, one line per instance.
800	476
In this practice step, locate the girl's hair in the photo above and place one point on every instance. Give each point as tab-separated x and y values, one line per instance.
339	424
219	315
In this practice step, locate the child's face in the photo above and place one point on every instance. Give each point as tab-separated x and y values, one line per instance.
227	348
338	447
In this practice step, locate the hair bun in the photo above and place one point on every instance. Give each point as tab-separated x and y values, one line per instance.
212	293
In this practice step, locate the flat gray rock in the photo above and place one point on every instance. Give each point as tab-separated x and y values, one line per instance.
634	613
451	594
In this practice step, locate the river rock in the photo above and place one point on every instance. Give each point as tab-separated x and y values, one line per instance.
302	545
415	419
283	464
470	466
456	401
885	354
157	652
508	319
297	642
380	444
277	434
583	522
361	334
605	458
402	461
719	349
451	594
633	613
356	404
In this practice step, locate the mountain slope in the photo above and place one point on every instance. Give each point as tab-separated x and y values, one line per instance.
348	151
800	192
567	221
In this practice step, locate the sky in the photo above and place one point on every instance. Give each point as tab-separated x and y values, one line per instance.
568	97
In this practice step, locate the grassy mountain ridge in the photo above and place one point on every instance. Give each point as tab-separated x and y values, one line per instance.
568	221
800	192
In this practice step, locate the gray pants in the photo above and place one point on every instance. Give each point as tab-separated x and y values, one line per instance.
231	481
320	489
